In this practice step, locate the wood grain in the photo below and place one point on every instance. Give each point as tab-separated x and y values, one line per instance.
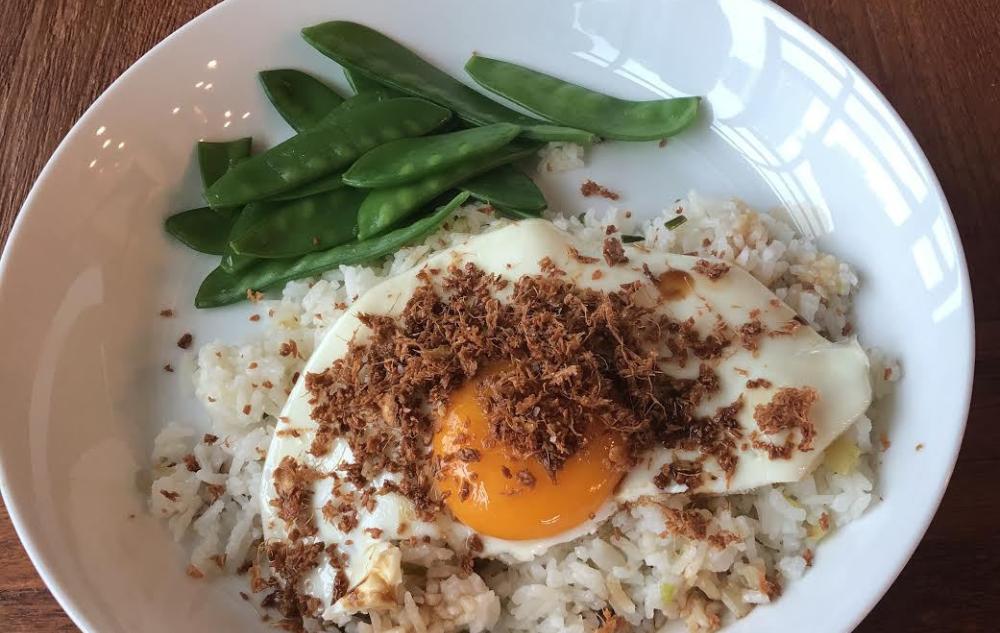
937	61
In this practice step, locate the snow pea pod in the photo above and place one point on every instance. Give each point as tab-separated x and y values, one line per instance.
300	99
411	159
216	158
362	84
368	52
385	208
221	288
339	140
570	104
506	186
320	185
297	227
204	230
512	213
248	217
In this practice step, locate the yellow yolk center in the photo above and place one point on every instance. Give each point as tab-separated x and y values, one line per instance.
499	495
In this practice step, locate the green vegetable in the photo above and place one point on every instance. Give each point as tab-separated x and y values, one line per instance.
673	223
385	208
215	159
299	98
222	288
628	239
339	140
320	185
365	51
411	159
297	227
580	107
251	214
362	84
513	213
360	100
506	186
205	230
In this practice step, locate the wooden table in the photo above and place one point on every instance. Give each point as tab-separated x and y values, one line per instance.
938	62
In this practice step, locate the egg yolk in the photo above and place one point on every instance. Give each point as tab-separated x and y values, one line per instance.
497	494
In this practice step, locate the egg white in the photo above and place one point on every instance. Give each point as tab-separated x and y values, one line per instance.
838	371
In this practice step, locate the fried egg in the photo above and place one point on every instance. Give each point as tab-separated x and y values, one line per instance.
517	521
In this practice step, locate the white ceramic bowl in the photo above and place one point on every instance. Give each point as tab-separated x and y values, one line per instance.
88	267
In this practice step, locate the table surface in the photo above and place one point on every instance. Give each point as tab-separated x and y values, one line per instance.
938	62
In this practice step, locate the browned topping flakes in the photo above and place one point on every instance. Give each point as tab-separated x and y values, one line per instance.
614	252
788	411
583	259
293	487
166	313
590	188
184	342
711	270
191	463
564	359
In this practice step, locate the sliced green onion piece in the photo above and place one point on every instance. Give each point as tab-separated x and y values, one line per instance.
673	223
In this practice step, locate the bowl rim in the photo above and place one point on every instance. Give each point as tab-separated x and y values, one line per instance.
15	502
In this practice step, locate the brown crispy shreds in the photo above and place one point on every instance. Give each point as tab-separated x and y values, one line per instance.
289	348
590	188
614	252
919	446
824	521
468	455
191	463
788	411
168	368
583	259
711	270
684	473
807	555
247	409
884	442
170	495
591	353
293	487
662	143
255	317
210	439
184	342
166	313
611	623
759	383
597	274
194	572
770	588
254	296
549	267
